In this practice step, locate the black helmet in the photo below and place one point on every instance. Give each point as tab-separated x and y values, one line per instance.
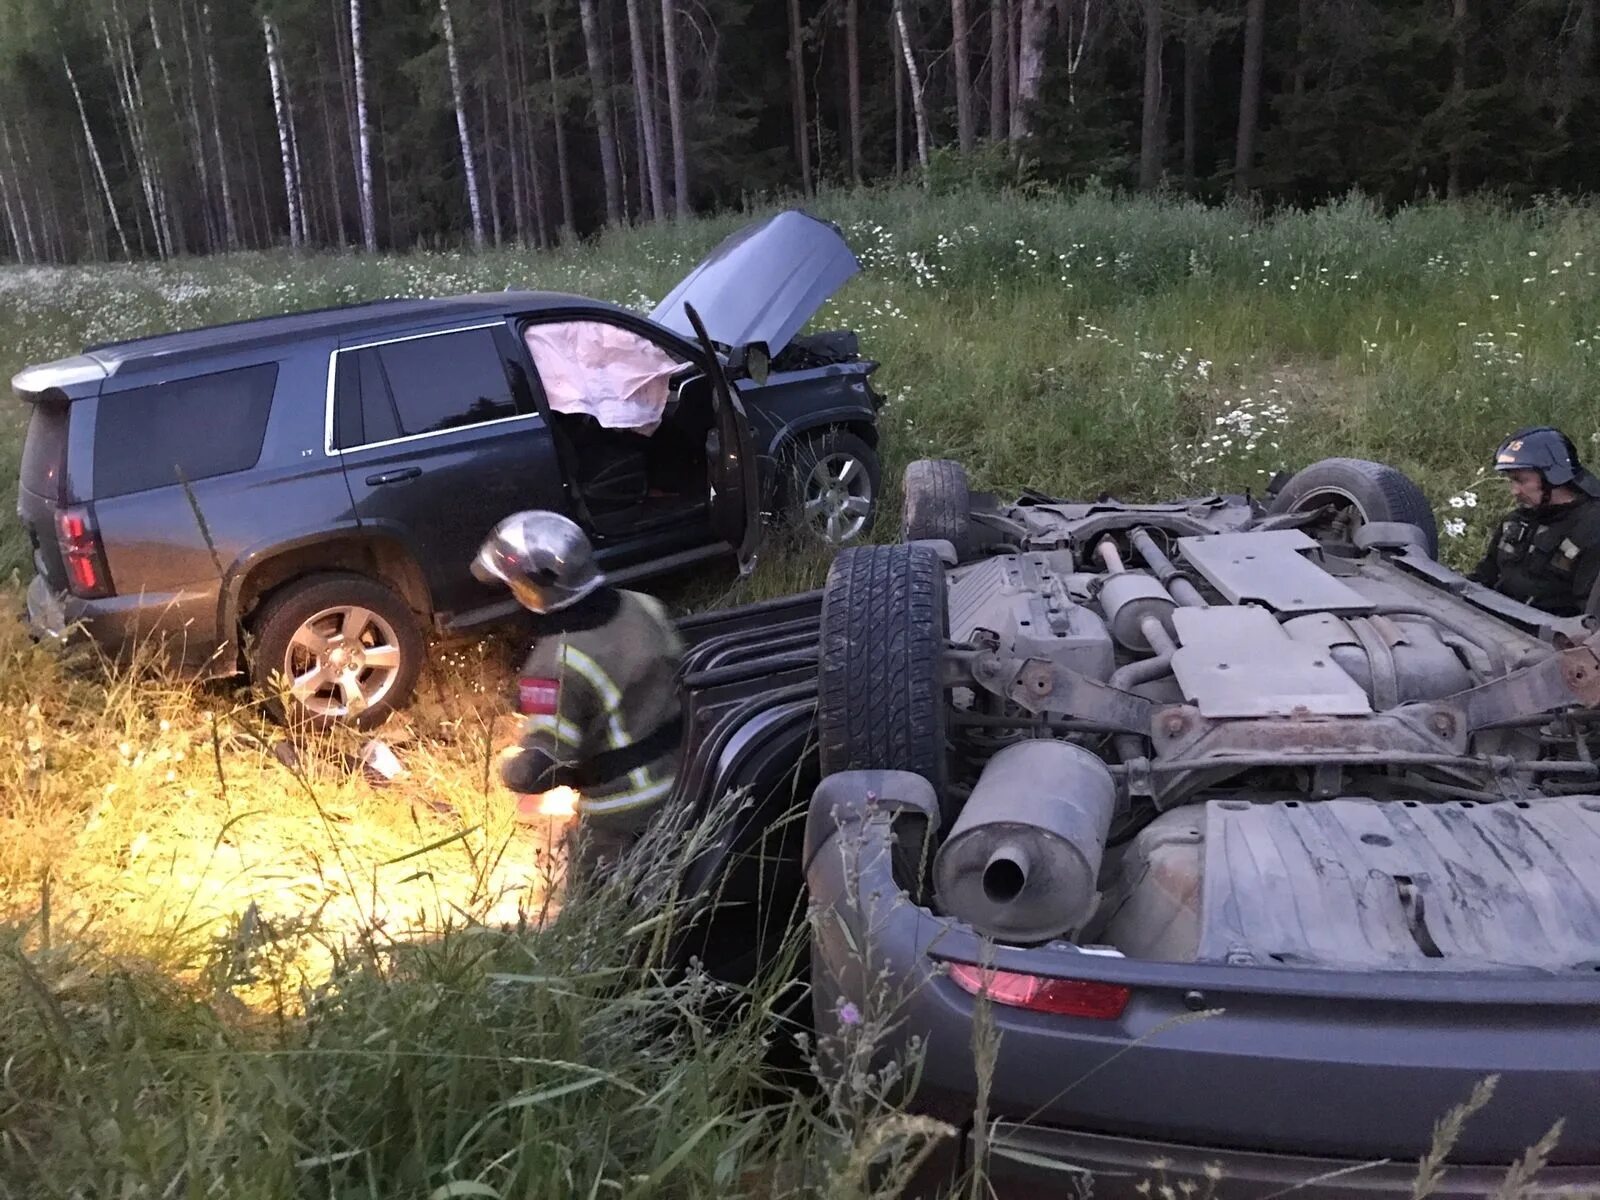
1550	452
544	559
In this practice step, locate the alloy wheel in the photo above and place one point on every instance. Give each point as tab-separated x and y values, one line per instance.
838	497
341	661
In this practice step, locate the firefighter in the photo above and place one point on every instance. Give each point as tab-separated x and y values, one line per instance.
1546	551
598	688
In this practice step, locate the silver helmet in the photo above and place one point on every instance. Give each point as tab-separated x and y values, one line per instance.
544	559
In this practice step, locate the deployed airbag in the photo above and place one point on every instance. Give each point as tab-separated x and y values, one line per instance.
620	378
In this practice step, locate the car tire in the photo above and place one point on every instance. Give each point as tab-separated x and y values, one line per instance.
1377	491
349	616
832	477
880	701
938	504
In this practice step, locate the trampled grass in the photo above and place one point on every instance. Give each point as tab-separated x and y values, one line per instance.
227	973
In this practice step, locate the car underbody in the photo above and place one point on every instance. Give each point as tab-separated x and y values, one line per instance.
1274	749
1256	836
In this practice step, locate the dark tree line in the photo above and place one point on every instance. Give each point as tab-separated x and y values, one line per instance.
153	128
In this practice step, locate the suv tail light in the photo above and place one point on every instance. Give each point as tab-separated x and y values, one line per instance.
1041	993
82	554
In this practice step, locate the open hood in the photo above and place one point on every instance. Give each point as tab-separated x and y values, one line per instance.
763	283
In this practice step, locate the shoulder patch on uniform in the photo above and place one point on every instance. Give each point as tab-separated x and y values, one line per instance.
537	697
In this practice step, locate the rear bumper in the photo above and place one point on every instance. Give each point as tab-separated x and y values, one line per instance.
1274	1069
180	625
1020	1157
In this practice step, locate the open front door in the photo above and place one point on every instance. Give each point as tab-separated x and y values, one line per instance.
730	460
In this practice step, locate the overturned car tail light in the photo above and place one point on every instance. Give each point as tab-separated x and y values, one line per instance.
82	554
1041	993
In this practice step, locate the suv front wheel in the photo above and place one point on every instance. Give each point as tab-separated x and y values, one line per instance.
833	487
337	649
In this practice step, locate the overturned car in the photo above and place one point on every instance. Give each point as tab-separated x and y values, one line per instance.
1260	835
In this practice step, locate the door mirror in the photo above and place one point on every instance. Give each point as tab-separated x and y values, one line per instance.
752	361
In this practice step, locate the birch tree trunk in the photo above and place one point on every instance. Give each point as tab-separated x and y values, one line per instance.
600	92
1078	17
13	230
14	227
202	159
285	148
49	218
358	62
94	157
1034	27
119	46
130	119
899	99
919	110
644	89
563	168
797	98
24	230
467	161
680	156
966	133
307	235
999	87
181	239
169	238
229	218
1244	152
1150	130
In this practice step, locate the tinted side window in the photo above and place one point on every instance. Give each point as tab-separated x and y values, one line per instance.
348	427
363	410
446	381
44	450
188	429
377	404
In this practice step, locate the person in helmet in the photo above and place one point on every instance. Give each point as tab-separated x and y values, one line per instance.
598	687
1546	552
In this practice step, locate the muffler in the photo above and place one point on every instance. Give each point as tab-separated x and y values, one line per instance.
1023	858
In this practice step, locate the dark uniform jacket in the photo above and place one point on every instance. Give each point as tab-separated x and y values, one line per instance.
600	693
1548	556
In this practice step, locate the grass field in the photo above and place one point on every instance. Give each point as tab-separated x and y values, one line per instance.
230	975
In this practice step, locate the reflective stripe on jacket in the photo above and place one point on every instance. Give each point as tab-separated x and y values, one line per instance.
614	685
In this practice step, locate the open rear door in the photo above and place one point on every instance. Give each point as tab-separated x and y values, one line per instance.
730	459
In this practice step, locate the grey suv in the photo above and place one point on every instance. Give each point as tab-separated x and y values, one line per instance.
303	494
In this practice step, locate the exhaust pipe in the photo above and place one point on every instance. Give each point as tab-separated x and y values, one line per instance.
1023	858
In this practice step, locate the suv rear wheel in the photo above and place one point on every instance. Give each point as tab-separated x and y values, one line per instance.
938	504
337	649
1375	491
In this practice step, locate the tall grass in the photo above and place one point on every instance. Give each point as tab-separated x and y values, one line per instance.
231	968
1075	343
